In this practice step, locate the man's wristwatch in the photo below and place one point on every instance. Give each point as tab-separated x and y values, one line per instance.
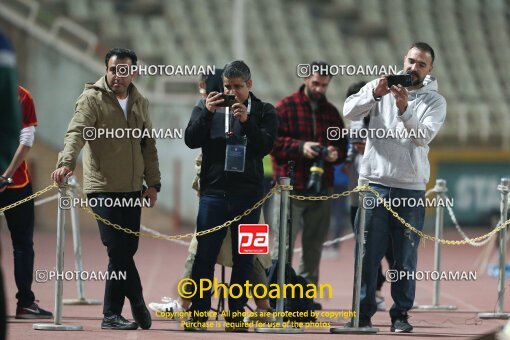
157	187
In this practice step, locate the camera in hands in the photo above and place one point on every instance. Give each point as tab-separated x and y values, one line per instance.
316	170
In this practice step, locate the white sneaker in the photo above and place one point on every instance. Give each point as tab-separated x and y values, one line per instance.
168	305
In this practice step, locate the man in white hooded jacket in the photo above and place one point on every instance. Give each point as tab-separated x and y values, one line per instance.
397	167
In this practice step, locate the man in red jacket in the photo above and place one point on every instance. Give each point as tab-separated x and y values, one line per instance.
304	119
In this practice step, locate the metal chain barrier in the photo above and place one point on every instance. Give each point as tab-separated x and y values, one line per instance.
143	227
351	235
151	234
28	198
41	201
421	234
424	236
190	235
461	232
348	236
457	225
325	198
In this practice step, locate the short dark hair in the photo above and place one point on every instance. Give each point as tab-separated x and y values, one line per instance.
237	69
322	66
424	47
355	87
121	53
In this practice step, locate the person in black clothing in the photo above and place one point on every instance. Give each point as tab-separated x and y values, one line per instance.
9	135
231	179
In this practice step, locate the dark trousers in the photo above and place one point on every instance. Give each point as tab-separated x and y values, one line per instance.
20	221
121	248
215	210
3	314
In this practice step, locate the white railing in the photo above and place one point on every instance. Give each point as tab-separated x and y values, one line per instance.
83	55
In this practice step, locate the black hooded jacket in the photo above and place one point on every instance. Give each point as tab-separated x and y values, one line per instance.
206	130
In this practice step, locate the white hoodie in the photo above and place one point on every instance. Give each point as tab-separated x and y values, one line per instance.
399	162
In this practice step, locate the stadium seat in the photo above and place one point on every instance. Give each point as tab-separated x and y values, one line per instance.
471	39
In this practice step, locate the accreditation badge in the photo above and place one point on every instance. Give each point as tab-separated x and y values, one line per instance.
235	154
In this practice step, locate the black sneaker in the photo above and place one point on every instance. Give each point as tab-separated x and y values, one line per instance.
117	322
236	325
195	324
32	312
142	316
400	325
363	322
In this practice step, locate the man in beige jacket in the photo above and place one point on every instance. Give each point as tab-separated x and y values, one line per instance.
115	165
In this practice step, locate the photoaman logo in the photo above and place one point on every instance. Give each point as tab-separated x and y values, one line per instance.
253	239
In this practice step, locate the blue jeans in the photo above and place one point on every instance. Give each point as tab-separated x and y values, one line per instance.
380	226
215	210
